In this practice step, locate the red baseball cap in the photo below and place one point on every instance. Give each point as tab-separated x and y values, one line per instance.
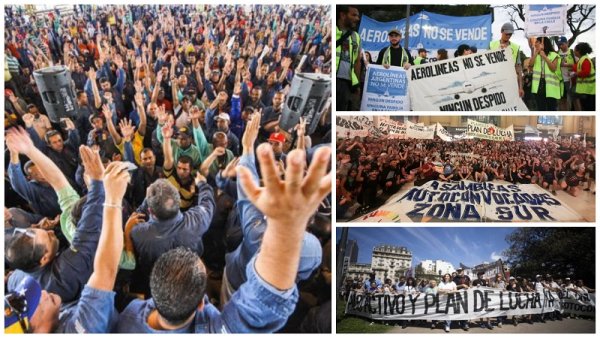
277	137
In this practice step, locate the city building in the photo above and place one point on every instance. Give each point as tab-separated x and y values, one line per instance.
387	261
436	267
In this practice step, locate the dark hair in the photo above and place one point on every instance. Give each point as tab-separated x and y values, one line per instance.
343	9
148	150
19	255
410	279
443	53
178	284
80	93
583	48
421	50
50	133
163	199
547	44
184	159
27	166
104	79
461	50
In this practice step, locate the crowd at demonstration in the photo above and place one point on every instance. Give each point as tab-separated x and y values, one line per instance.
457	282
370	170
555	77
173	202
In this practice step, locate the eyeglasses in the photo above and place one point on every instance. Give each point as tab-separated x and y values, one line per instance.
18	306
29	233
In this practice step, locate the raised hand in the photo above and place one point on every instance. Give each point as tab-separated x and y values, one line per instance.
107	112
230	171
17	139
92	163
127	129
139	98
219	151
116	178
91	74
294	199
69	125
167	131
162	114
251	133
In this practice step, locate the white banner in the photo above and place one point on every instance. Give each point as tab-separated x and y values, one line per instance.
579	304
393	128
482	81
473	303
414	130
545	20
489	131
468	201
385	89
443	133
348	127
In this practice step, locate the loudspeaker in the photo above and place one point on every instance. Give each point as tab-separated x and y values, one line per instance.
309	96
57	91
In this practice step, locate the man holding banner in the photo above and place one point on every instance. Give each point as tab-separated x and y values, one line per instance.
506	32
394	54
348	53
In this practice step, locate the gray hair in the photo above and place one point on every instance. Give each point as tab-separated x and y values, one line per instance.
163	199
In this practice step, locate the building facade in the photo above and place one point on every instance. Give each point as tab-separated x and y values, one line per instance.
390	261
436	267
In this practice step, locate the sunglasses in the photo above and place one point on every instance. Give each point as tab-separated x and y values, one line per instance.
18	306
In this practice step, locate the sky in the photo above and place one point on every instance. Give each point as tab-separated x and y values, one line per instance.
467	245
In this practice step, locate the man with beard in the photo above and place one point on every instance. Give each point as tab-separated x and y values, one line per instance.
223	126
183	145
270	118
348	55
394	54
142	177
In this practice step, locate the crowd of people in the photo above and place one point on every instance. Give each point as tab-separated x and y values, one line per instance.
370	170
457	281
555	77
172	202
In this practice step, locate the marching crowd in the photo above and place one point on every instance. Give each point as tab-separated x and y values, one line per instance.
555	77
449	283
173	202
370	170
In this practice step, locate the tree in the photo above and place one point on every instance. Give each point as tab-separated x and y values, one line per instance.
561	252
580	18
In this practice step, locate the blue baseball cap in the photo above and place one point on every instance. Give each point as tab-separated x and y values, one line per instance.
20	305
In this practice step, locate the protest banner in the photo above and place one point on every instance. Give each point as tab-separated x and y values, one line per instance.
469	304
414	130
347	127
428	30
442	133
545	20
476	82
579	304
489	131
385	89
469	201
393	128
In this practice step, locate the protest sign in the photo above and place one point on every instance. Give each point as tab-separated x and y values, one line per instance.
476	82
545	20
442	133
489	131
468	201
414	130
346	126
469	304
393	128
428	30
579	304
385	89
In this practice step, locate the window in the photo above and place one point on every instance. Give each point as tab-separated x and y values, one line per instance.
550	120
483	119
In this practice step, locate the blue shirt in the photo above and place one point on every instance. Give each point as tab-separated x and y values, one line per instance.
155	237
256	307
70	270
42	198
253	225
93	313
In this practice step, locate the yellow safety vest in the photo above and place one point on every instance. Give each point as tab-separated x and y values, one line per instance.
387	57
354	44
513	47
418	60
586	85
553	78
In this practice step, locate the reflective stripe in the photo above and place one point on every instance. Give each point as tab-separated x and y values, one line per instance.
355	42
387	57
586	85
554	88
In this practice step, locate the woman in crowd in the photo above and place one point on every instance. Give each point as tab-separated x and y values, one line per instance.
586	77
547	77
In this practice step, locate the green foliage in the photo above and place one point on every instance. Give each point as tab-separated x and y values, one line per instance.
393	12
561	252
351	324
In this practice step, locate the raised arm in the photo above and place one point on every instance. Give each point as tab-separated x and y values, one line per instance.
109	123
139	102
167	133
18	141
204	168
288	205
94	85
110	245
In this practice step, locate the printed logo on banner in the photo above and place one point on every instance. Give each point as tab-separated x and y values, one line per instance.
476	82
385	89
